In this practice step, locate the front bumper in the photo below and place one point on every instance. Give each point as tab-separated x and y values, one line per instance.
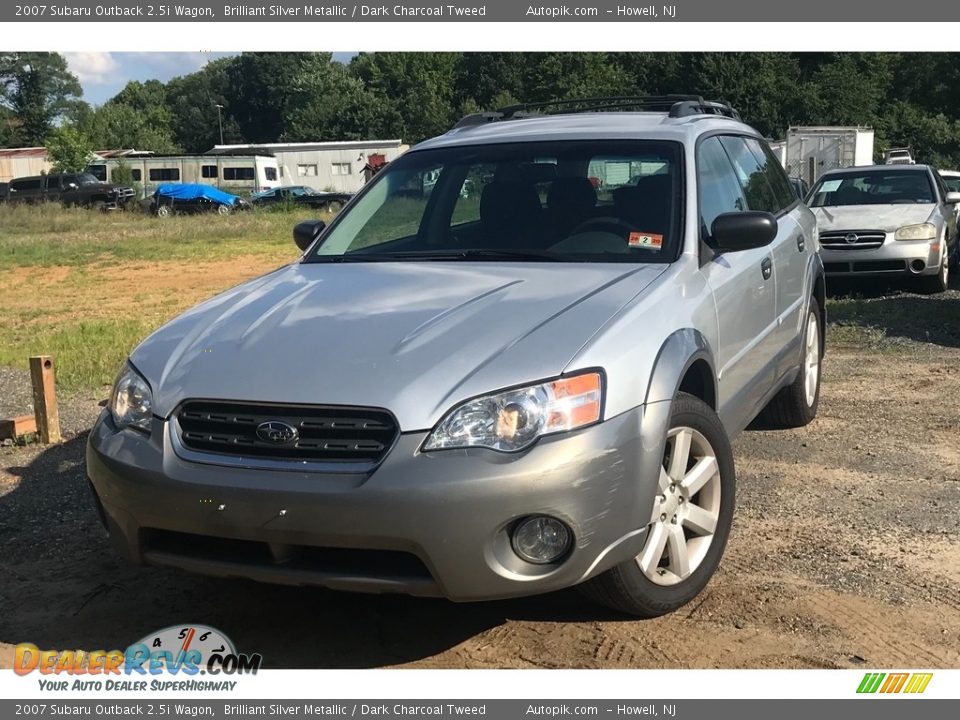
433	524
894	257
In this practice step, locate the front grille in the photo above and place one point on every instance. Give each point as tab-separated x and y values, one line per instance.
852	239
324	433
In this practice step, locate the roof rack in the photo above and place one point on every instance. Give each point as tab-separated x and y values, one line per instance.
676	106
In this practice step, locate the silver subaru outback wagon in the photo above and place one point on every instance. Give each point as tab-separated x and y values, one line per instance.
513	363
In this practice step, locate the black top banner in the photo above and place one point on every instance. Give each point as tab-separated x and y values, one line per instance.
490	11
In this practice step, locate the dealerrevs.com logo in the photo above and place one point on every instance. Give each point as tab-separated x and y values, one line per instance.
184	651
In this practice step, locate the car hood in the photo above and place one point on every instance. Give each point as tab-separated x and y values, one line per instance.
413	337
871	217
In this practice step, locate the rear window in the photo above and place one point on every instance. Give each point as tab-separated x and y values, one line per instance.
587	201
26	184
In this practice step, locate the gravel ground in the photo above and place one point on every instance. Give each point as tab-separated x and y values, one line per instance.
845	549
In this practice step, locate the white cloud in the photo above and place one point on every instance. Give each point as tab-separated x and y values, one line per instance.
93	68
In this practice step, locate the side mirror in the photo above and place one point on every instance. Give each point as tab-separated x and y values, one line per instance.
306	232
743	230
72	186
953	198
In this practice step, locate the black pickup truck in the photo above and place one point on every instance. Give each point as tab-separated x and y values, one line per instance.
70	189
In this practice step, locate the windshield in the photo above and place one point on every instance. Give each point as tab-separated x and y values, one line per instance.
586	201
874	187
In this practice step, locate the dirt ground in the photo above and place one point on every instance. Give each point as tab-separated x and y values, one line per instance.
845	551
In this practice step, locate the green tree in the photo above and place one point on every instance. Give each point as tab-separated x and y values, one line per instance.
416	90
331	104
38	89
117	125
192	103
68	149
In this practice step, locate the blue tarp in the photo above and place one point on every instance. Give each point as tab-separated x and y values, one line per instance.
190	191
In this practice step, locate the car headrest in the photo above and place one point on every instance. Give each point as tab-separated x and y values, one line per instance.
571	195
509	207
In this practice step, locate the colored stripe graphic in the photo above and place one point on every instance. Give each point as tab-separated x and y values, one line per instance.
918	682
870	682
894	683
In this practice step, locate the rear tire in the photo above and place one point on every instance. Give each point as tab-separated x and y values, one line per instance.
689	523
796	405
164	211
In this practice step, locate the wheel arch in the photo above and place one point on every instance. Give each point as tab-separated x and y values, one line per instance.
820	295
684	362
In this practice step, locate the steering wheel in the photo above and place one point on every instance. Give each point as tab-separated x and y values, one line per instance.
608	223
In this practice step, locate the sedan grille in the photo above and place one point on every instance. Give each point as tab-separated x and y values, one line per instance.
299	433
852	239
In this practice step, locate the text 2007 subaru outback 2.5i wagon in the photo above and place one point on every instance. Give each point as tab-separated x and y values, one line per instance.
512	364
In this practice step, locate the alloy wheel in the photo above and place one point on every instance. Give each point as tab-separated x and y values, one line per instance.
811	370
686	512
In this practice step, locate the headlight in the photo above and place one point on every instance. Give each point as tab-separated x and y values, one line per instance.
514	419
131	402
923	231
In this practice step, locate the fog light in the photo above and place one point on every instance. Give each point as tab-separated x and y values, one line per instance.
541	539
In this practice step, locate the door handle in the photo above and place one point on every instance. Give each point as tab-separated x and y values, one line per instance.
801	243
766	267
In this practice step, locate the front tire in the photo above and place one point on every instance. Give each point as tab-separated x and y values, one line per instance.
689	523
796	405
936	284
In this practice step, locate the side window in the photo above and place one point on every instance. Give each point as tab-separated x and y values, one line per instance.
751	175
403	202
467	209
941	186
782	192
164	174
718	187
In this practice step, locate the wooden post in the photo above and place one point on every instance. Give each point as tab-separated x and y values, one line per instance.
45	398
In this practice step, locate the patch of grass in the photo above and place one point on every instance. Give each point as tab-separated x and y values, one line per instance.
47	235
61	296
88	353
894	322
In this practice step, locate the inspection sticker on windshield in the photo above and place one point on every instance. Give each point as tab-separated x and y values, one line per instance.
647	241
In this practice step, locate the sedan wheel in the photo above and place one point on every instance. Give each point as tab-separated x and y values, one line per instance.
685	512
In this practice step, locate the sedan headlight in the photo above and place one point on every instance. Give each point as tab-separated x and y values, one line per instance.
923	231
514	419
131	402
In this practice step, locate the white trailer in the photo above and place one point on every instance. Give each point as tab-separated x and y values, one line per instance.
812	151
334	166
238	174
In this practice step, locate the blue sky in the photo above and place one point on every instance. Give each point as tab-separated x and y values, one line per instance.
103	74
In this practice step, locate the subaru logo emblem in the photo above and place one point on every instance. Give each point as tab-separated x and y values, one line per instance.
852	238
277	433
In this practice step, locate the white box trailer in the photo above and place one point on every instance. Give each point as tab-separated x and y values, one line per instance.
332	166
812	151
